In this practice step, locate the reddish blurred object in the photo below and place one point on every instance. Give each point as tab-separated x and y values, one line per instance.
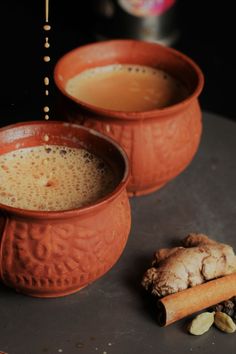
149	20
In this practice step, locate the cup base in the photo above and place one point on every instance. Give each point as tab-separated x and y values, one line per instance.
50	296
146	190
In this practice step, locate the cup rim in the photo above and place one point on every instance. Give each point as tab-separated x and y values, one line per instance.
132	115
48	214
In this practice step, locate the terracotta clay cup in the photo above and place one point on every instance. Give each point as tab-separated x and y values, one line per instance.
160	143
55	253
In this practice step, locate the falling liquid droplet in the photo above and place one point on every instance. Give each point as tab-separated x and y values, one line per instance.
46	138
46	58
46	81
46	27
46	10
46	44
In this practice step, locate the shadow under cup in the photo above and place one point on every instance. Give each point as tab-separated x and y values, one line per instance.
160	143
55	253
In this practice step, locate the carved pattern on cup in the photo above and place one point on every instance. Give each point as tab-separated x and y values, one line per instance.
63	255
167	145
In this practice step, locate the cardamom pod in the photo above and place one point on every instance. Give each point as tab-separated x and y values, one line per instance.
201	323
224	322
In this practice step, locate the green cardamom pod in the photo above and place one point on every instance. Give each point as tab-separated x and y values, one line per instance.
201	323
224	322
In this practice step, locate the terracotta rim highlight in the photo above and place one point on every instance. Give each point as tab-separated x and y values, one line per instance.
78	211
132	115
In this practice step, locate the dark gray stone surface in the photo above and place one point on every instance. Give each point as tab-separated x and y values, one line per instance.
114	315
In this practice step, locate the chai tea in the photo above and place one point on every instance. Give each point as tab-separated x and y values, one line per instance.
53	178
124	87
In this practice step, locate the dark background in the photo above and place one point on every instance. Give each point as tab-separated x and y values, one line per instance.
206	34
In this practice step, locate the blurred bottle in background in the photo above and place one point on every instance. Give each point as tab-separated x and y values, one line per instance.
149	20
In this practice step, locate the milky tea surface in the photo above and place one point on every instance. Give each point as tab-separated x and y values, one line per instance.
53	178
126	87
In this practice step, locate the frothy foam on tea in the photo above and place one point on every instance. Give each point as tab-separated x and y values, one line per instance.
53	178
126	87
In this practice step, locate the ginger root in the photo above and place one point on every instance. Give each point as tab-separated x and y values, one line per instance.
199	260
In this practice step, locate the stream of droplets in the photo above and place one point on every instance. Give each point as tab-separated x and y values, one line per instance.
46	57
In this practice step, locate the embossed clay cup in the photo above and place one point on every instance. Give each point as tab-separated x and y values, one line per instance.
52	254
160	143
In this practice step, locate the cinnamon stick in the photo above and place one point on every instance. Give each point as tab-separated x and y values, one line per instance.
179	305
